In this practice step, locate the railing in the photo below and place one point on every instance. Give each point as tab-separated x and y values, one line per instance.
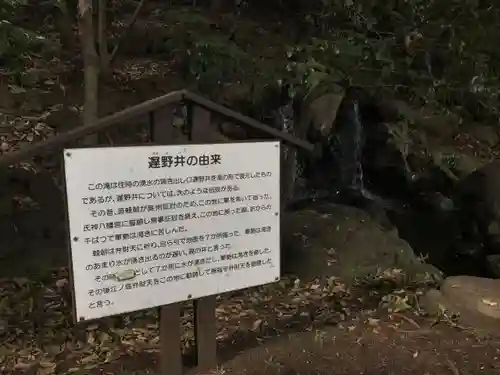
200	130
162	128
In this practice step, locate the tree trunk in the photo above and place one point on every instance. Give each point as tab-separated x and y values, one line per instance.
102	39
91	67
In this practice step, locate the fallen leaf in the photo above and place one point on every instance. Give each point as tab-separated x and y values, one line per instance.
16	89
61	283
256	325
373	321
23	366
46	368
489	302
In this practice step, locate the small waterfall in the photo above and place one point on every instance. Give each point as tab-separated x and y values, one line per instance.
338	176
350	142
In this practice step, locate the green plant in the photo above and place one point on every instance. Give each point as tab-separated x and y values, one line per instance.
214	59
15	41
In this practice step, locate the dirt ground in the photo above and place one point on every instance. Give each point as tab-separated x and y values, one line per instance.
303	327
391	344
395	344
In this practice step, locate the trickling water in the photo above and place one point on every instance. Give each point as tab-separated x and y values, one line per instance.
349	142
347	146
285	118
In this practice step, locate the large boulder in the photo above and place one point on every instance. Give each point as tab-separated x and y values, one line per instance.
473	301
343	241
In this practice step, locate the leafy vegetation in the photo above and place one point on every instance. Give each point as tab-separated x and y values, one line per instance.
425	51
16	42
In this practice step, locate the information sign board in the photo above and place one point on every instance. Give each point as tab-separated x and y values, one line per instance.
154	225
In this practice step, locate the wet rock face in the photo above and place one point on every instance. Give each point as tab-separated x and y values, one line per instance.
371	161
377	152
365	160
359	149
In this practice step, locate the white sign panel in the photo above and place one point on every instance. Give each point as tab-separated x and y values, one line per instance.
154	225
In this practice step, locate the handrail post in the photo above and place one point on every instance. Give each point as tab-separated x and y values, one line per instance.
205	329
162	128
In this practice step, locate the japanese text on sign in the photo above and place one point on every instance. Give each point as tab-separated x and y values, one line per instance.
180	160
154	225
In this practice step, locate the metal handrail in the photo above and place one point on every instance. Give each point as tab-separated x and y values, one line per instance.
115	119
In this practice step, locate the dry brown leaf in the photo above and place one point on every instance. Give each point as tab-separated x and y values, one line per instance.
373	321
256	325
46	368
23	366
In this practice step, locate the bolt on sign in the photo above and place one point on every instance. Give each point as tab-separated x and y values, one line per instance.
155	225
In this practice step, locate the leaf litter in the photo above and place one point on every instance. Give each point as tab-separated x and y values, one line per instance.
37	332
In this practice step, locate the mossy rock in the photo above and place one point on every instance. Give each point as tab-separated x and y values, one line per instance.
345	242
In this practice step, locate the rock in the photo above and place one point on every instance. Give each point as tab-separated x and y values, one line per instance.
484	133
429	119
437	124
437	202
343	241
7	99
474	293
478	195
474	301
394	110
493	264
460	164
320	114
63	119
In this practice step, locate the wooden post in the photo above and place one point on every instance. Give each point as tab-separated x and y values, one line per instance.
205	333
163	132
162	126
170	340
205	329
201	127
286	174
